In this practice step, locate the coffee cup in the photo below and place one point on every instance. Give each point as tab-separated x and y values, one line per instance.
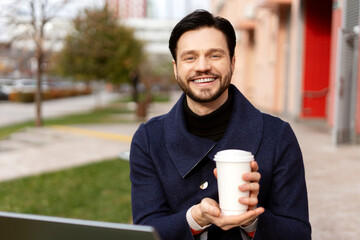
231	164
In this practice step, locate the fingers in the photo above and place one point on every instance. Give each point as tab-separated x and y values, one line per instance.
215	172
254	166
206	210
228	222
252	187
251	177
258	212
251	201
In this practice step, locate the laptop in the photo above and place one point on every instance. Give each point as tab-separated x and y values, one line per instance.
18	226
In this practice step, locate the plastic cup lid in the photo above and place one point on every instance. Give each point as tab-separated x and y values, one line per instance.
233	155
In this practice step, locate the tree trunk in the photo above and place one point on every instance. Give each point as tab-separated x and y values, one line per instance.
38	93
40	59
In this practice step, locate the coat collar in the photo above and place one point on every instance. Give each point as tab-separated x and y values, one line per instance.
244	132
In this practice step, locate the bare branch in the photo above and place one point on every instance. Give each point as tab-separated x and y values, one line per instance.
25	20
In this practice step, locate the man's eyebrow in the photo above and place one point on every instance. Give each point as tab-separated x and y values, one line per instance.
217	50
187	52
211	50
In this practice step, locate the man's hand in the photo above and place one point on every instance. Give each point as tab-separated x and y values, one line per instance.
208	211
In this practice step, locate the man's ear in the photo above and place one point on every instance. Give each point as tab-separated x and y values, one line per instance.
174	67
233	64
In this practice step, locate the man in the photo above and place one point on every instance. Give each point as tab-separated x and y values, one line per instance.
172	172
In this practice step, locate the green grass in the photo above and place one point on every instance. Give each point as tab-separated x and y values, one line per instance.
99	191
9	129
104	115
160	97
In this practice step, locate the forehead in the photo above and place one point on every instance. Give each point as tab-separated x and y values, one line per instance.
201	40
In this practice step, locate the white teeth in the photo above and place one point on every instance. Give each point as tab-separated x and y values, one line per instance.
203	80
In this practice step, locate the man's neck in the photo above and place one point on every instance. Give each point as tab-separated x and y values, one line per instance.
202	109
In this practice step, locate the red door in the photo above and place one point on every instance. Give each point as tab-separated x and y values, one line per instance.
317	36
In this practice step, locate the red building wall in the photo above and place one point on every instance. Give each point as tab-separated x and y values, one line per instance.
317	43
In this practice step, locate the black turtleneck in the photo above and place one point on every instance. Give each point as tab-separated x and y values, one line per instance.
211	126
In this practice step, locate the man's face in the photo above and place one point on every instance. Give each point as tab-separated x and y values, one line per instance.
203	67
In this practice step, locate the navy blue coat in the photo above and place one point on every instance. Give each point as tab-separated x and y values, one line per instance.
168	165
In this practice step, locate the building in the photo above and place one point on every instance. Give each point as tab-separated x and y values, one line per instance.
128	8
344	96
153	20
299	58
154	32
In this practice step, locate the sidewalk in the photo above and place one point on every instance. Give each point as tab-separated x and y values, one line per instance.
332	173
333	182
38	150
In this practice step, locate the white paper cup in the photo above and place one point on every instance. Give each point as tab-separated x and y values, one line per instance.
231	164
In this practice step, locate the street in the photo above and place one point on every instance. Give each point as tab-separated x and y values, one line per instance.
13	112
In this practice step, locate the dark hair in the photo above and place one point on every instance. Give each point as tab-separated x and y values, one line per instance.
200	19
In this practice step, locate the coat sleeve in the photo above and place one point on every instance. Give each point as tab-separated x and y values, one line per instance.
149	203
286	207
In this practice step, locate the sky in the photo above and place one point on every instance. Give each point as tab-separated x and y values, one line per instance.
178	8
162	9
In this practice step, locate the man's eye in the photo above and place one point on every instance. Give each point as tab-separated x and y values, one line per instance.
189	58
215	56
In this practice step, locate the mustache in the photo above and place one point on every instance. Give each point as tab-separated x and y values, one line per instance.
203	74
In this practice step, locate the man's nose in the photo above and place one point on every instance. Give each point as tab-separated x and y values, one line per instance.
202	65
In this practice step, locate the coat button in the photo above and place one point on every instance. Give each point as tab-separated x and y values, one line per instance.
204	185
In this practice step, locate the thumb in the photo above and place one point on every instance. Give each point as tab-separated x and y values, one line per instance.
210	206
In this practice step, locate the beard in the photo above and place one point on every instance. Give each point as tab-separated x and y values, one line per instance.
205	95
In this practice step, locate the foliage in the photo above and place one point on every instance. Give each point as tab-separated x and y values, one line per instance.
157	70
99	48
99	191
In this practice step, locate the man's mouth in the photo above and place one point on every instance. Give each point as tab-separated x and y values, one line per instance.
204	80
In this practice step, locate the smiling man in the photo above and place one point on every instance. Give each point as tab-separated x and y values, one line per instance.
173	175
203	69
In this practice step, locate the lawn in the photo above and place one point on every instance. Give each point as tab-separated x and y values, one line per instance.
99	191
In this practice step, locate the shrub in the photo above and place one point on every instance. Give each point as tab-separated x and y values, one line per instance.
26	97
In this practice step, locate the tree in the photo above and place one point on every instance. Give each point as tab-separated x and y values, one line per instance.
99	49
28	19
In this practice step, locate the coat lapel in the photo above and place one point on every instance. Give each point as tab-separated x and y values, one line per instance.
186	150
245	128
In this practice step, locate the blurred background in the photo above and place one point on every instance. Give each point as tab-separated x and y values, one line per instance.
294	57
87	73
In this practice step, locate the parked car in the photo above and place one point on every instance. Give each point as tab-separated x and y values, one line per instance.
6	88
25	85
3	96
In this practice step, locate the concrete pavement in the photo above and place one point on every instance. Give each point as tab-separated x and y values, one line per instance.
38	150
333	182
332	173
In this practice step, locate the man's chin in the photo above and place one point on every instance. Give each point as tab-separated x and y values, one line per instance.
204	97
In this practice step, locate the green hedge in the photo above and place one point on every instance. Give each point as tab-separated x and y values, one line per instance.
26	97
